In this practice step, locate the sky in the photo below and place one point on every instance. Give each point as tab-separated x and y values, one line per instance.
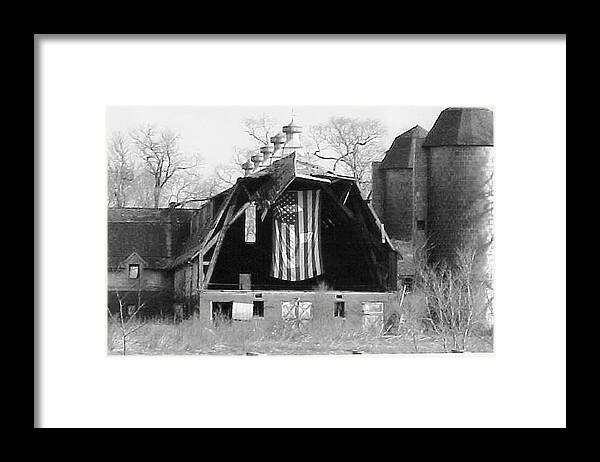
214	131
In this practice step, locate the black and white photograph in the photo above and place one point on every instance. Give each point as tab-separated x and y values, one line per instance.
344	230
299	231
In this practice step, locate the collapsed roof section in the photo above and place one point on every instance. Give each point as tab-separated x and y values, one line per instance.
348	212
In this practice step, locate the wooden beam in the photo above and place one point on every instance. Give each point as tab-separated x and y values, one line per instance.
219	215
384	232
346	194
240	212
206	242
211	267
207	247
339	203
246	191
210	244
200	270
213	241
314	178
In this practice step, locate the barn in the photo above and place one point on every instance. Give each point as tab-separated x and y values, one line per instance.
284	241
290	240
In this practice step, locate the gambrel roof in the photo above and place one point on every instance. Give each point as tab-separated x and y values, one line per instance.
266	185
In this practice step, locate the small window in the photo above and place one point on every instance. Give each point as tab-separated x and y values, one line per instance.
408	283
258	309
134	271
421	225
339	310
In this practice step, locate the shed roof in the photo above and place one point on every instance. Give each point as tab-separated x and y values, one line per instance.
462	126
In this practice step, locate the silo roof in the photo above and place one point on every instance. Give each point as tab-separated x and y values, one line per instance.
399	154
462	126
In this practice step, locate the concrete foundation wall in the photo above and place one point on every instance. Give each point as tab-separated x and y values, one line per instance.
323	303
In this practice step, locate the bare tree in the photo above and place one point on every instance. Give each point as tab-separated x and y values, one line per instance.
142	188
193	187
120	170
188	185
260	129
160	156
349	143
227	174
124	319
456	299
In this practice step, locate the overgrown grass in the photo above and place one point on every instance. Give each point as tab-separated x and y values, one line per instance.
318	336
446	313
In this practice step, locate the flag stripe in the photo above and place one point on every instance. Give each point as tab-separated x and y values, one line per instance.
276	250
307	229
317	241
292	251
315	251
286	254
309	246
301	236
290	254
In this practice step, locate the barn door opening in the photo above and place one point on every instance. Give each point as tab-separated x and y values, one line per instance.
222	313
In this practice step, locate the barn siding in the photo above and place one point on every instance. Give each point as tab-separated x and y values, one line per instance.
150	279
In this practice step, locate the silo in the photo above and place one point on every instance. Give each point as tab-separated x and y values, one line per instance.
399	186
459	151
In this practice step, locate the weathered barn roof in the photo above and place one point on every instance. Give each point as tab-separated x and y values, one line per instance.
272	181
152	233
400	154
462	126
264	187
301	168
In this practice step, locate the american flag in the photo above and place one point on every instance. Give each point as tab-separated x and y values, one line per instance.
296	236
